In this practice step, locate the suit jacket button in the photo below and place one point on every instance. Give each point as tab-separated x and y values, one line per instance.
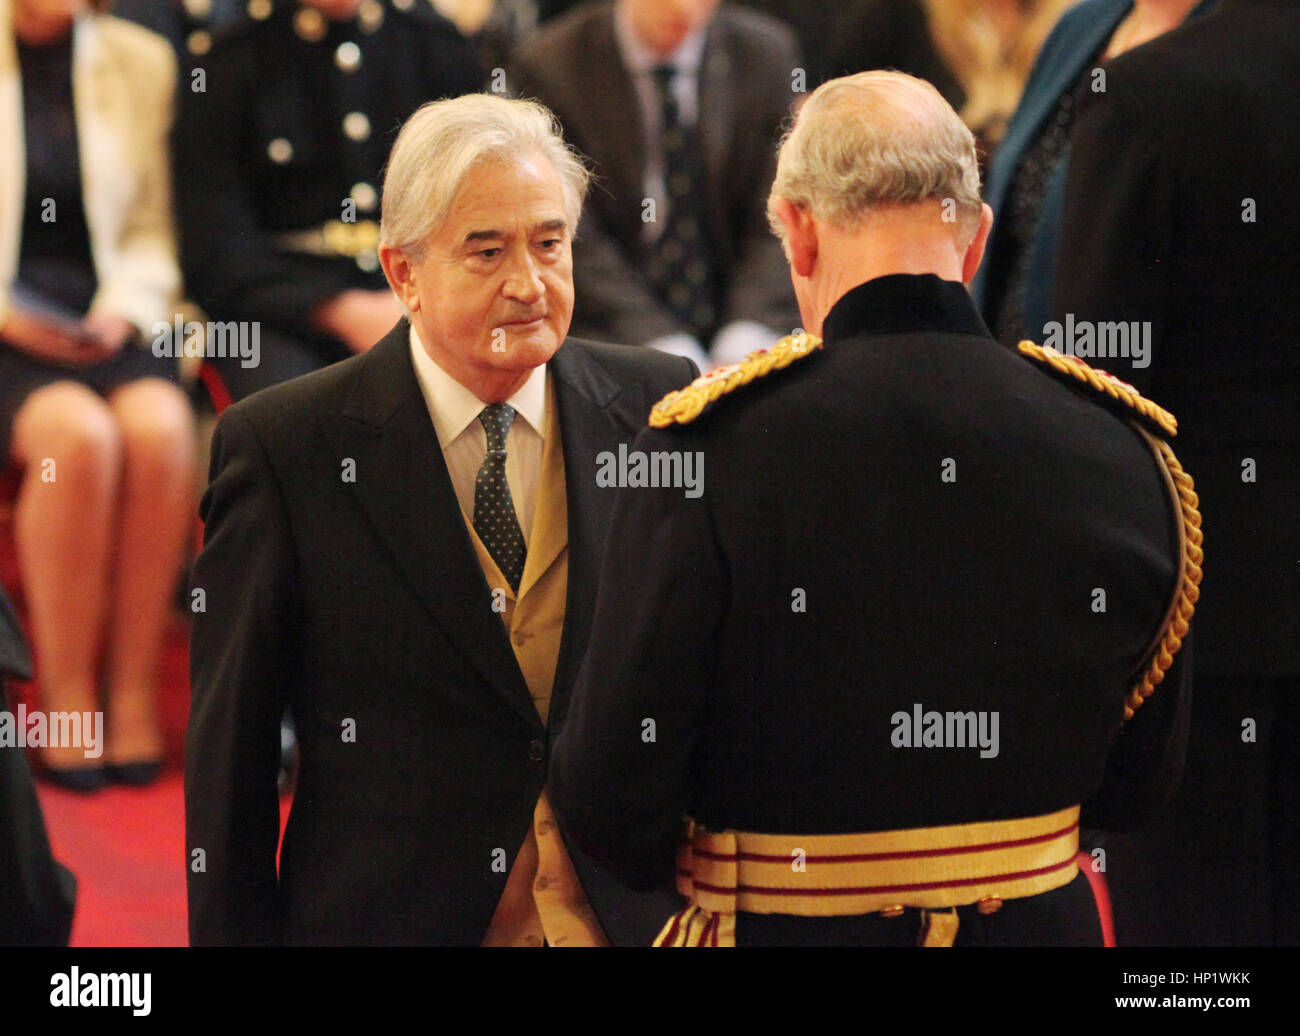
536	751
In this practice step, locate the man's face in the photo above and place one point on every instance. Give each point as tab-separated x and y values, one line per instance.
662	25
52	10
492	296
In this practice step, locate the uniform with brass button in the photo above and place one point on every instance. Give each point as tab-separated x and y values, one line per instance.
188	24
280	158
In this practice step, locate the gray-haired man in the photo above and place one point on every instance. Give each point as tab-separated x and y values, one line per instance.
403	548
886	655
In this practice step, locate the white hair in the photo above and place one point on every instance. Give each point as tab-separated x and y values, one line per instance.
873	140
444	140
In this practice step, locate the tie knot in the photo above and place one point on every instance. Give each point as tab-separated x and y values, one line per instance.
663	77
496	419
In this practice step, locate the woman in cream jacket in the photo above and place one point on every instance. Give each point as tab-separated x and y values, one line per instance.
99	425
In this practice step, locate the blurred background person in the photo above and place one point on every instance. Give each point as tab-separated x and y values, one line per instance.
1180	211
1026	180
278	163
96	421
976	53
187	24
495	27
678	105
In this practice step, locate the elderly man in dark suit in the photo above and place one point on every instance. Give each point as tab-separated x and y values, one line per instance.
678	105
1180	220
884	660
403	549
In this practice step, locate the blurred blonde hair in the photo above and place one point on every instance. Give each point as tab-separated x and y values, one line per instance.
991	70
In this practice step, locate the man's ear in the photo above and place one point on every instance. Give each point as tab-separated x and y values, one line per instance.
399	269
970	263
800	235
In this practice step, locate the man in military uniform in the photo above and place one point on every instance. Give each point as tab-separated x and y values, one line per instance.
283	130
187	24
886	655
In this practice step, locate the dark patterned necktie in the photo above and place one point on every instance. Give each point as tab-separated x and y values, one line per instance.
494	509
681	263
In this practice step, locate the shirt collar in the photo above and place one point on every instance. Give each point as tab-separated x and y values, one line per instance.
454	408
903	302
641	60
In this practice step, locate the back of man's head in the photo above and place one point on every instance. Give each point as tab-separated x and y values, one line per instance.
878	140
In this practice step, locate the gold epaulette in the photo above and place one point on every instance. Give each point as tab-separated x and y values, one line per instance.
1155	425
685	405
1156	418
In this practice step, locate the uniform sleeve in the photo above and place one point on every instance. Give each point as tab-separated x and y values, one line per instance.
1145	765
621	768
242	656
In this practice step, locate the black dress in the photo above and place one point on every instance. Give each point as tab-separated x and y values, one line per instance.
55	264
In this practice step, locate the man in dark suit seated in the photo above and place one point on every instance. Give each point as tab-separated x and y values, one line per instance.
886	656
678	105
403	549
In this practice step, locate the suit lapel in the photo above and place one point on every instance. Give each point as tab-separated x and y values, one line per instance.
717	98
617	117
403	487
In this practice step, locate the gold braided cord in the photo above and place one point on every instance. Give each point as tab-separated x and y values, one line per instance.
685	405
1102	382
1189	582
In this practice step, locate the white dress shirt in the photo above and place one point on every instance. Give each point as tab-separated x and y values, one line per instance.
455	409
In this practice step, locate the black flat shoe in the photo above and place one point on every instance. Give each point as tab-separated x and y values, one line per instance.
137	775
83	779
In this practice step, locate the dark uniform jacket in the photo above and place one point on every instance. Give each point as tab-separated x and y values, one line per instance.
829	576
574	67
292	123
364	600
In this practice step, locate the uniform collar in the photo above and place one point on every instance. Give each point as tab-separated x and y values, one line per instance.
903	302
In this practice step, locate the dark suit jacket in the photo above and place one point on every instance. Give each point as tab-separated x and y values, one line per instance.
363	601
966	595
1191	126
573	66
